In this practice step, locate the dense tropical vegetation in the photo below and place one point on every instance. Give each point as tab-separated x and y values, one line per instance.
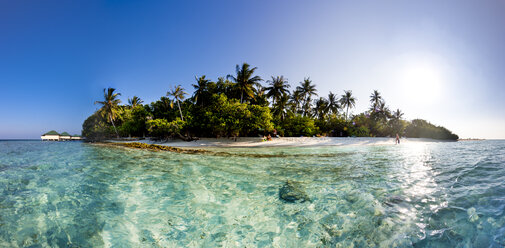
239	105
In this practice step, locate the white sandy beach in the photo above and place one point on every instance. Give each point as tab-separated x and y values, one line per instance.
283	141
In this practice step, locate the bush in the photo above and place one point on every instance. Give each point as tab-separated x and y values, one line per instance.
228	117
95	128
334	126
299	126
422	129
359	132
134	122
161	128
259	119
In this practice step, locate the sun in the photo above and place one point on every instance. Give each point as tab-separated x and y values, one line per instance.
421	81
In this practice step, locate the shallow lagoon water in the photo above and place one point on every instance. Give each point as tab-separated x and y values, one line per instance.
418	194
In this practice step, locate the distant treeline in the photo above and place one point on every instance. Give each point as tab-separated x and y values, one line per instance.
239	105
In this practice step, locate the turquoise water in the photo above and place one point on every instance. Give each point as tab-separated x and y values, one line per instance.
71	194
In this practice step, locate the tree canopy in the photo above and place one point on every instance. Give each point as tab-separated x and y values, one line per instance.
238	105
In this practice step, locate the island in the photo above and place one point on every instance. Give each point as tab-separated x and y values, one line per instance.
238	105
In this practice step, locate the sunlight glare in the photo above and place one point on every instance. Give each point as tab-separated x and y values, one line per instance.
421	82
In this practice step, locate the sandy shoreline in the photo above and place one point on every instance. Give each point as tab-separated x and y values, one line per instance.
278	142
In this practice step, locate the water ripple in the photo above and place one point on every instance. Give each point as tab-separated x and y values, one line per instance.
413	195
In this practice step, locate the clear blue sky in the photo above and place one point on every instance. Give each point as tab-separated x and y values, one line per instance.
438	60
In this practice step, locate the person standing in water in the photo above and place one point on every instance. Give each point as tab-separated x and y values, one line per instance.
397	139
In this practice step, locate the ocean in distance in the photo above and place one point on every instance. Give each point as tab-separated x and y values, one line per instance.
418	194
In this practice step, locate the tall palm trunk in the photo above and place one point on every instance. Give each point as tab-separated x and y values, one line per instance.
346	112
110	117
180	111
305	106
241	96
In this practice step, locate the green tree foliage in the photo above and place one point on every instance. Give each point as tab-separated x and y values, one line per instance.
396	123
228	117
295	102
203	90
161	128
280	108
347	100
177	93
298	125
161	109
245	81
240	107
362	120
321	108
135	101
110	106
333	104
278	88
260	98
306	90
375	99
96	128
134	121
333	125
419	128
359	131
224	86
158	128
259	121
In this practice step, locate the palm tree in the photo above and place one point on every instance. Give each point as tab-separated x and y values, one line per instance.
244	80
259	90
375	99
277	89
321	108
383	109
200	88
279	108
347	100
261	97
295	101
110	106
178	95
135	101
307	90
333	103
398	114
